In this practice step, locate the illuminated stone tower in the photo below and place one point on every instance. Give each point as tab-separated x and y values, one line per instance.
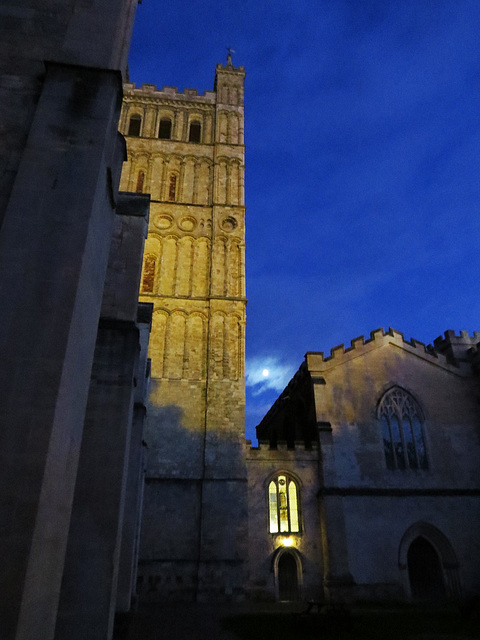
187	151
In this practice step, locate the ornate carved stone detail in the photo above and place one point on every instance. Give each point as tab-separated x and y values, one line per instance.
187	223
228	224
163	221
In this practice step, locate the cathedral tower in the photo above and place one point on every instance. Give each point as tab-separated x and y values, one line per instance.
187	151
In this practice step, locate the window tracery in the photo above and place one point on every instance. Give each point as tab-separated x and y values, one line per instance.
401	420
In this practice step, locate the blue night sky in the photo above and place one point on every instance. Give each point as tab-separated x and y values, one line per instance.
362	168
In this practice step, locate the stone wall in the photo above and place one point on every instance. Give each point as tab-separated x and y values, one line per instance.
54	32
194	275
60	163
263	464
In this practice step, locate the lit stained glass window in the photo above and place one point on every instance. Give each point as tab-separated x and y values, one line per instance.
401	419
283	505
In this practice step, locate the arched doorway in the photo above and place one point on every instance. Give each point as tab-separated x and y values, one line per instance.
287	577
288	571
425	572
428	565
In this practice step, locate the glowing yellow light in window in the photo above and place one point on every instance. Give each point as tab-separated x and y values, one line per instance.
292	498
272	503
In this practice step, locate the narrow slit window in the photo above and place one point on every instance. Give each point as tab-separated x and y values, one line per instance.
140	181
134	125
195	133
172	188
148	274
165	129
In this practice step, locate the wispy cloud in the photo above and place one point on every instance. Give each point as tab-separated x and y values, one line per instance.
279	373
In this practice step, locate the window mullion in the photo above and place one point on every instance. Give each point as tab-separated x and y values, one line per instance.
417	457
404	442
395	463
278	506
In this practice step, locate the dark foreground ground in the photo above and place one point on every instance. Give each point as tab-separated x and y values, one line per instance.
282	621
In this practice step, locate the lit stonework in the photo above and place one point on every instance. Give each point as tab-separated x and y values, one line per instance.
187	151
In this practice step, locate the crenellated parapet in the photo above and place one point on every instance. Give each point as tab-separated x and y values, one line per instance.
291	418
457	348
150	91
436	354
217	115
282	450
186	147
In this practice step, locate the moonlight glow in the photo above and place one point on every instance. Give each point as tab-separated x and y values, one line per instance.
265	373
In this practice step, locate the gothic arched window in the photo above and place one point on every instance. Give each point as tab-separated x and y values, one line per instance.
401	419
165	129
283	505
172	188
195	132
134	125
148	274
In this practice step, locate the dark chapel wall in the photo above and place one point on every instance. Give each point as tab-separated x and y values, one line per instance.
60	163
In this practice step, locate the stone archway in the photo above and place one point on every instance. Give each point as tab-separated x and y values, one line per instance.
428	564
288	572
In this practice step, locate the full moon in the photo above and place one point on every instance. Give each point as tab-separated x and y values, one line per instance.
265	373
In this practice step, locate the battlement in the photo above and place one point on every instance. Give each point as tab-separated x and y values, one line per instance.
167	93
282	451
437	353
230	68
457	348
459	354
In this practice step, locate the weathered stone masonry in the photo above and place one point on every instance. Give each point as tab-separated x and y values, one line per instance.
187	151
